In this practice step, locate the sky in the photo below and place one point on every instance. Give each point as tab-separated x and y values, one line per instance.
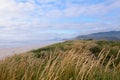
23	20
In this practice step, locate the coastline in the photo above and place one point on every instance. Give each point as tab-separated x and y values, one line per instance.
6	52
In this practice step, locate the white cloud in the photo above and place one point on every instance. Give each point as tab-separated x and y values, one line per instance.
75	10
45	1
29	20
10	10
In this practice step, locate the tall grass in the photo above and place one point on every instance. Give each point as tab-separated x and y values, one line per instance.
72	64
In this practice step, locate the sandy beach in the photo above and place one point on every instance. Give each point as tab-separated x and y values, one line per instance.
6	52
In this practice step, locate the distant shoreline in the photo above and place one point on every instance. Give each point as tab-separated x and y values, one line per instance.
6	52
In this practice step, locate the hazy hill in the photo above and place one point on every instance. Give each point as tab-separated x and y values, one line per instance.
112	35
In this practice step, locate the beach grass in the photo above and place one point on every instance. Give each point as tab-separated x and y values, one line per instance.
69	60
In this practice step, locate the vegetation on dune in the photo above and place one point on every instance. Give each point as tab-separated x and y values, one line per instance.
70	60
111	47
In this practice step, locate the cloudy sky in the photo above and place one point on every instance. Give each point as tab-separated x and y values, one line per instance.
48	19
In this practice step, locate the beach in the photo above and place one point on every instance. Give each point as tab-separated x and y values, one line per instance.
6	52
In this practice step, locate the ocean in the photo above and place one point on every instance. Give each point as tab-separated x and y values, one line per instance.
9	48
13	44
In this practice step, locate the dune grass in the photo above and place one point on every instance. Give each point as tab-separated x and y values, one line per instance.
70	60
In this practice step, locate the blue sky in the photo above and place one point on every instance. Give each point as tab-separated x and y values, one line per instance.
48	19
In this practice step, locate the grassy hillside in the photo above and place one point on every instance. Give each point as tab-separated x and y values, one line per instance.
69	60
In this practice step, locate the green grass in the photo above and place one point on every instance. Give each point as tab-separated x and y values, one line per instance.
70	60
112	47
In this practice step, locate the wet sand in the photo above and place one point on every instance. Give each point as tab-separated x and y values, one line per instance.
6	52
